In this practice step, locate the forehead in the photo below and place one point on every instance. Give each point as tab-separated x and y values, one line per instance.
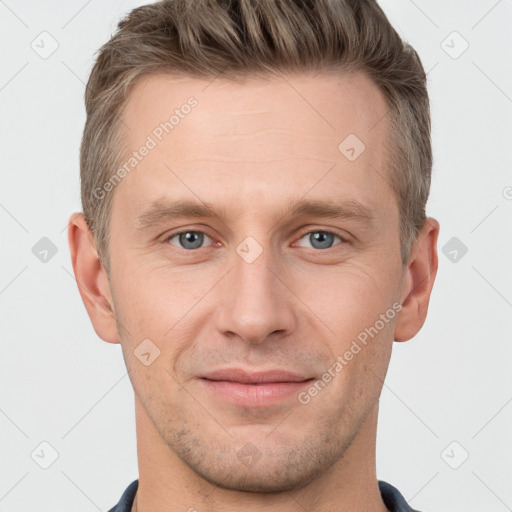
284	133
324	105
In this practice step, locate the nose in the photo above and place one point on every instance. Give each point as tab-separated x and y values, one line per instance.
255	302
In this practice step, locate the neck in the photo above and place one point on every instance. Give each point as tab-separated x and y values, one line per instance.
167	484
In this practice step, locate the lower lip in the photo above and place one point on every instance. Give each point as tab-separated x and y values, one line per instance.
255	395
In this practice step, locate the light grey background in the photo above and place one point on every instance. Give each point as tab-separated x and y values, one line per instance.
61	384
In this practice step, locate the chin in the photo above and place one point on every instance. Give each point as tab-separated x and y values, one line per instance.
264	480
273	466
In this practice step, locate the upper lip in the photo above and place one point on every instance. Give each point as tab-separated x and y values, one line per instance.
246	377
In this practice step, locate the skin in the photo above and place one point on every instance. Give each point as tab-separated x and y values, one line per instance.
249	150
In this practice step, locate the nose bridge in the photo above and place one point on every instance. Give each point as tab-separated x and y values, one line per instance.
256	303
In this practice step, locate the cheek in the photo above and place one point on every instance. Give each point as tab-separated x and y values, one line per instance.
364	358
151	300
351	297
156	309
356	303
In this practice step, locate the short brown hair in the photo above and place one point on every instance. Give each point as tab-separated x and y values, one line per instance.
236	38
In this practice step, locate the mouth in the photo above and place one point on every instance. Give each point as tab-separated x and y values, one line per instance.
254	389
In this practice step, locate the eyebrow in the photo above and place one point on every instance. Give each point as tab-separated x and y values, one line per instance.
165	210
162	211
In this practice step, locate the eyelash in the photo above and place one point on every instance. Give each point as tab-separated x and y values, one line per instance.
302	235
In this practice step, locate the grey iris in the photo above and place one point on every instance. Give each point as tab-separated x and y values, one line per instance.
192	237
322	239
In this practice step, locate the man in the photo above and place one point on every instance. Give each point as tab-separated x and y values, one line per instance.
254	180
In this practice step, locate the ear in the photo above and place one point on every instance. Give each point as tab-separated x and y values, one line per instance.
91	279
417	282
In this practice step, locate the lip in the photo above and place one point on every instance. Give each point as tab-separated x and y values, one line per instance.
254	389
262	377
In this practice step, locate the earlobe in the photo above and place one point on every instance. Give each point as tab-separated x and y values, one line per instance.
418	282
91	279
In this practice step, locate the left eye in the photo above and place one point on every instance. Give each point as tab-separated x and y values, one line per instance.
189	239
321	239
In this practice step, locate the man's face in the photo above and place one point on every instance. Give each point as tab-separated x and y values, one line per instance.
255	287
